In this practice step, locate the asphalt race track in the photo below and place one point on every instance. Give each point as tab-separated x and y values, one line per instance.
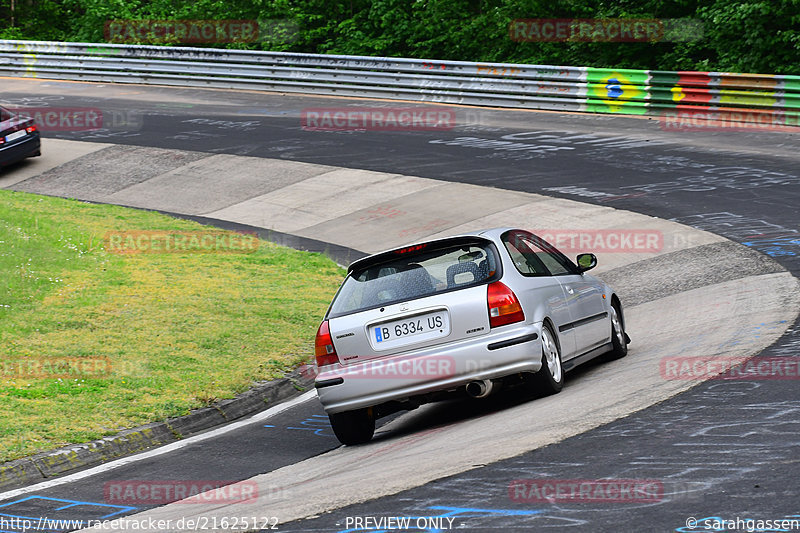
724	448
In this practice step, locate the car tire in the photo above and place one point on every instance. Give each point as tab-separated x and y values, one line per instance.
353	427
619	339
550	379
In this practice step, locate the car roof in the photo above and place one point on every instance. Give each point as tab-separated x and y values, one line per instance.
492	234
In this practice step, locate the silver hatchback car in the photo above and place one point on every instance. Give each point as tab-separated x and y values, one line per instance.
467	313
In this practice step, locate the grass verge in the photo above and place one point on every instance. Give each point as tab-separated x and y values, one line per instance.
93	341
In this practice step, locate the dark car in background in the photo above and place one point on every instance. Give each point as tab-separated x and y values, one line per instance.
19	137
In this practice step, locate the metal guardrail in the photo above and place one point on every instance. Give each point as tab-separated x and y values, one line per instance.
772	99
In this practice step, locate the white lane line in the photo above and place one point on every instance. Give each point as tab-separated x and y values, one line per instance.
160	450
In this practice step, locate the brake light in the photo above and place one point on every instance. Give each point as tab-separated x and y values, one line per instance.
31	128
323	346
504	308
415	248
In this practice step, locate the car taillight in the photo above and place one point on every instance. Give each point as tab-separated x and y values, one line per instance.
323	346
504	308
31	129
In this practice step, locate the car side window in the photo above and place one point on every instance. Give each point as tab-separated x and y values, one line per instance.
553	264
539	257
525	260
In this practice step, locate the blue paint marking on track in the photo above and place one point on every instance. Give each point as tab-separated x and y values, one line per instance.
50	517
318	424
775	247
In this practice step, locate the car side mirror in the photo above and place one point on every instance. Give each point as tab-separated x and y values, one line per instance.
586	262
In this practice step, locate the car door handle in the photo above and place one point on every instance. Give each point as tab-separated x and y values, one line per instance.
570	290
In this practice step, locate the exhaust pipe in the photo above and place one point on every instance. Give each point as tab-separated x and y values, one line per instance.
481	388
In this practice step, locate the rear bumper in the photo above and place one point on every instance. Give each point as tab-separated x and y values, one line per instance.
29	146
398	377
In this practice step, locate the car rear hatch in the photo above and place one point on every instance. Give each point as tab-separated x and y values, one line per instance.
413	298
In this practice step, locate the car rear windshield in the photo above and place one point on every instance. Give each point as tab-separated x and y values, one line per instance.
5	115
416	275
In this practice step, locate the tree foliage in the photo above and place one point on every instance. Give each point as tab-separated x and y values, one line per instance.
738	35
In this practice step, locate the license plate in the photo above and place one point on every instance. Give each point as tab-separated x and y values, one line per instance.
16	135
430	325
